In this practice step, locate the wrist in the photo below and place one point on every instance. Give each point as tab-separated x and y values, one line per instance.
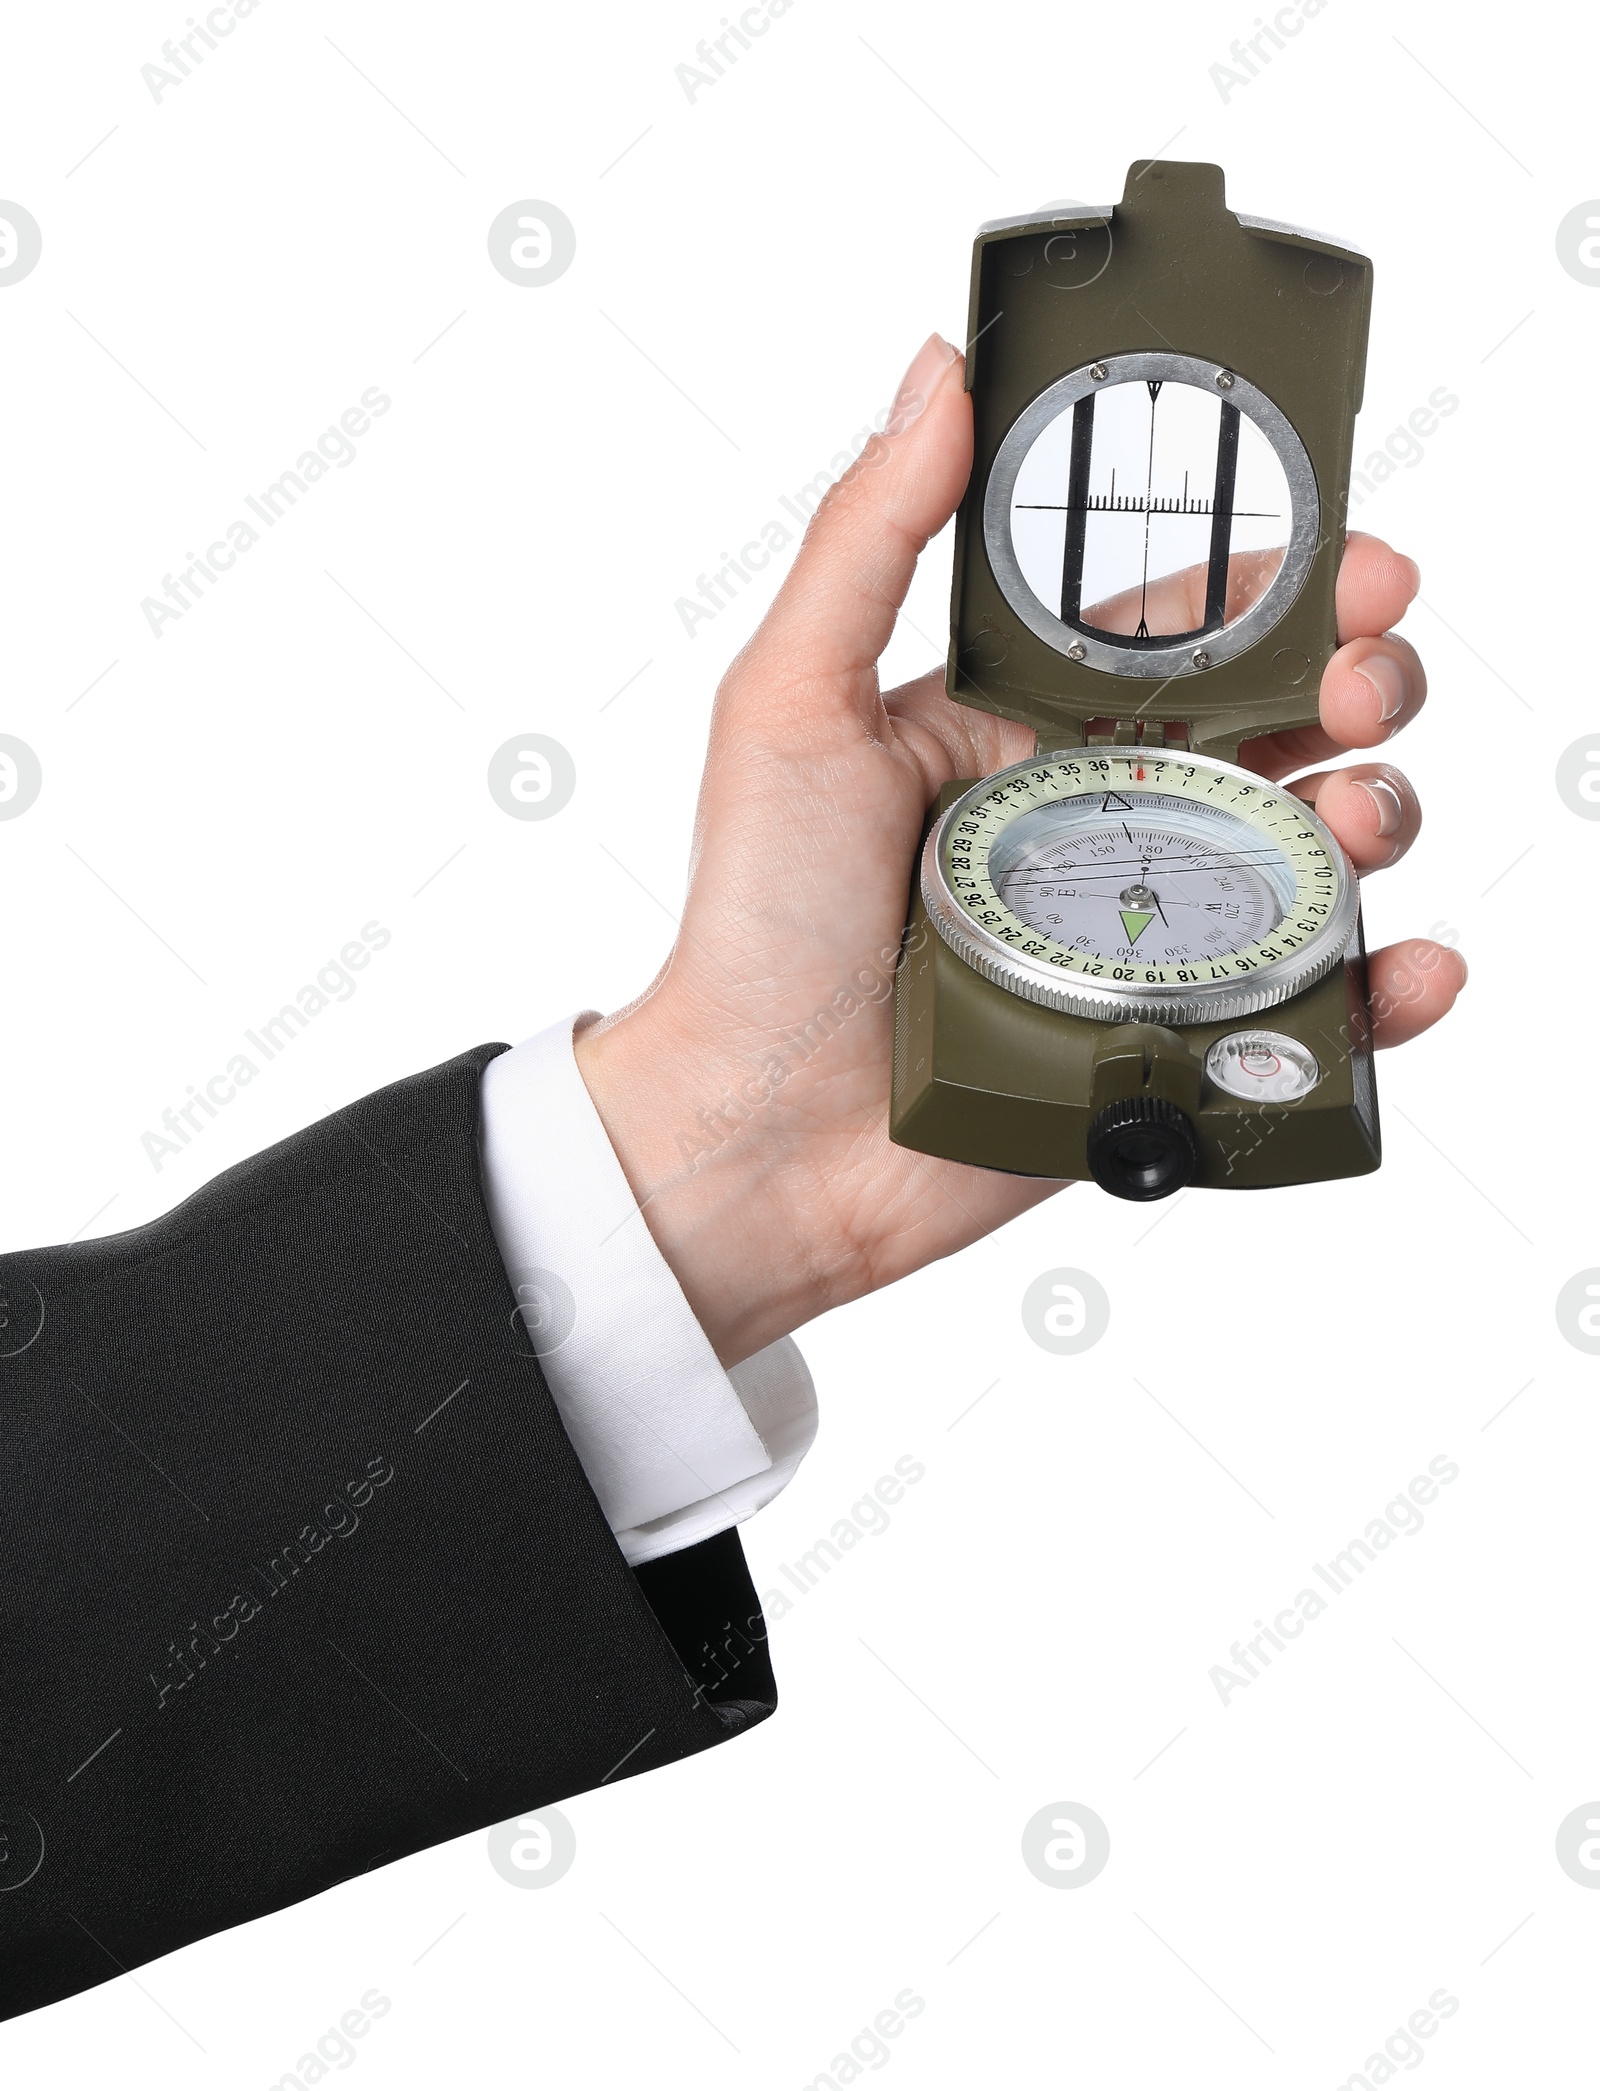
690	1147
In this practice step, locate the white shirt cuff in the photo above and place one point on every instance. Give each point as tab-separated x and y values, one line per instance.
675	1448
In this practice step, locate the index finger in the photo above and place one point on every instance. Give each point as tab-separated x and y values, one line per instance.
1376	585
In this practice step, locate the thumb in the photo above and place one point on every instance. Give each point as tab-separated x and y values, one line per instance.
833	615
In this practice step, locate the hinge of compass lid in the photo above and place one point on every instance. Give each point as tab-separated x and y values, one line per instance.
1186	410
1137	733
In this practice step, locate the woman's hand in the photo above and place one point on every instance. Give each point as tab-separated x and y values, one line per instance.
747	1090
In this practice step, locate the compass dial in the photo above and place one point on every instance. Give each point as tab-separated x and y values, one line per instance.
1139	885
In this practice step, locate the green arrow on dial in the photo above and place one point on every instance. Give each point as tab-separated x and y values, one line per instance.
1134	924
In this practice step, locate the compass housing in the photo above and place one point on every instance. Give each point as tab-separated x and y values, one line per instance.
1169	286
1164	396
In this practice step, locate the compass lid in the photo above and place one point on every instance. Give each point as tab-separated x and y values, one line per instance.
1164	394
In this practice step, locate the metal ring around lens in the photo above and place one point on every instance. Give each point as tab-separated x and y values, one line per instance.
1152	663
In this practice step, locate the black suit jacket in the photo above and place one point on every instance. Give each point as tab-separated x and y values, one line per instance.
298	1570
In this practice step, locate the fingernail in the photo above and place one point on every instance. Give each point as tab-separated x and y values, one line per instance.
1461	962
1385	677
1387	800
928	365
1416	576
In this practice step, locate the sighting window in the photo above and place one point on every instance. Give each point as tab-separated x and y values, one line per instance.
1158	516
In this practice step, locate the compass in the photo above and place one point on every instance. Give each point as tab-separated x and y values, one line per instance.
1131	957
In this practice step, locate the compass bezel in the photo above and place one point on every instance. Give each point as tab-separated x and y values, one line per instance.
1065	987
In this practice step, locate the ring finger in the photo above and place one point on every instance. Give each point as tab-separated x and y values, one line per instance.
1371	808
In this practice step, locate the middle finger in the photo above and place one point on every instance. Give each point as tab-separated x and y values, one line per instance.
1370	689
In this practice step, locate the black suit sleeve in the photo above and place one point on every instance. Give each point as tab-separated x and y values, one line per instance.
299	1572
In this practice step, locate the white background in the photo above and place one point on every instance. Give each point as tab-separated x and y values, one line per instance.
1374	1816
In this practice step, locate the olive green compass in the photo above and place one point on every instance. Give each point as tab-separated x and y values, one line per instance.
1129	957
